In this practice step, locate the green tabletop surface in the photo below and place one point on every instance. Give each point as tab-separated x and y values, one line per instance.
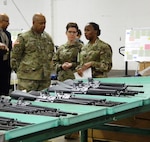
84	112
39	123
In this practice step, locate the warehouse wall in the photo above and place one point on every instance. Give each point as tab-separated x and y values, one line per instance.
113	16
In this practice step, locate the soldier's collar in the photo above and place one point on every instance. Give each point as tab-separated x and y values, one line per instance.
96	41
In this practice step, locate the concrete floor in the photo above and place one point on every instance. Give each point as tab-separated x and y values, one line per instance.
62	139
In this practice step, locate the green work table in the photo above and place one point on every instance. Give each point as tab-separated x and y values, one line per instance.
88	116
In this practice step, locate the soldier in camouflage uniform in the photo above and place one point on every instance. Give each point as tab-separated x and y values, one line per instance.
96	54
66	57
32	55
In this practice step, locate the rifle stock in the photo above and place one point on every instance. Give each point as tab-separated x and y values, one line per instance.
19	94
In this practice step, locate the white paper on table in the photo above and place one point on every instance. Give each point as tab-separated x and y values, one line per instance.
86	74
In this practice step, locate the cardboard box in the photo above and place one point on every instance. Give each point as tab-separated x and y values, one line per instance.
145	72
143	65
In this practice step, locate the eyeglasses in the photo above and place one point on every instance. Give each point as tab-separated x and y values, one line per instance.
71	32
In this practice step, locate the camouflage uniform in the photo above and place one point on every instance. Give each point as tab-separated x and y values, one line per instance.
31	58
100	54
66	53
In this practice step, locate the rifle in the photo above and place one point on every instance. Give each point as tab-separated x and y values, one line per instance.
93	87
28	108
10	123
61	97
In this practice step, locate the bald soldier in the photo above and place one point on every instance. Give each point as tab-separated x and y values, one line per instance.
5	48
31	56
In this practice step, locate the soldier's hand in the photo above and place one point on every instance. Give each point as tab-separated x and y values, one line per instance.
69	65
80	72
66	65
3	47
87	65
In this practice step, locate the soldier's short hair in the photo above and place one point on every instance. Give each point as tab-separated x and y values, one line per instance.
72	25
79	32
96	27
36	16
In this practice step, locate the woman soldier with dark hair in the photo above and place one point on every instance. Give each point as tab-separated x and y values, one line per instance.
96	54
